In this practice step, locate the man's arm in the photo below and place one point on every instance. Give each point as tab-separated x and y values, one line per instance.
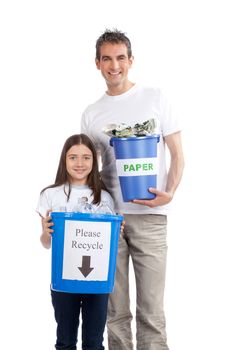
175	172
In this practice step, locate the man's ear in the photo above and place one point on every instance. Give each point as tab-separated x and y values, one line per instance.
97	63
131	59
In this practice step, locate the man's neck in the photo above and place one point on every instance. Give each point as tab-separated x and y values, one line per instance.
118	90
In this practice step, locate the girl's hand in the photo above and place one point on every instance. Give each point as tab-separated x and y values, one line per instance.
47	224
122	226
46	230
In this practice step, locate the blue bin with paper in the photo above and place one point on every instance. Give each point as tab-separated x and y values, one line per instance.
136	165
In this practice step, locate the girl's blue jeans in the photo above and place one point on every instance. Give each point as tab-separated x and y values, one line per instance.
67	309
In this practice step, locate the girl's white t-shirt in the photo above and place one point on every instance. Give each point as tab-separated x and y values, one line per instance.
55	199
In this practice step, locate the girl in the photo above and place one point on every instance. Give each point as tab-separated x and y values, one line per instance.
77	177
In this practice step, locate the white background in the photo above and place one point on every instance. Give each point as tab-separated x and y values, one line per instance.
47	78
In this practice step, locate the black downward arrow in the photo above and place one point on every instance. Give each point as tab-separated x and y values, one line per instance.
85	268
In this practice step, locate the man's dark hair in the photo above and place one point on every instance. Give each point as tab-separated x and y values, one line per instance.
114	37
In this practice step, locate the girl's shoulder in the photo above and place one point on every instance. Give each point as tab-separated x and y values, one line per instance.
52	190
106	197
105	194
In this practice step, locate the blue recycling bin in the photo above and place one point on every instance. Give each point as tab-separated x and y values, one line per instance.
137	165
84	252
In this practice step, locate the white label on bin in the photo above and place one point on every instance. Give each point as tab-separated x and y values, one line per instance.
86	250
137	166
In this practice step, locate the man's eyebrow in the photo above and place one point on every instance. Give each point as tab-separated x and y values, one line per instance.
118	56
105	56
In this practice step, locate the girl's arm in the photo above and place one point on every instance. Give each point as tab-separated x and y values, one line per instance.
45	237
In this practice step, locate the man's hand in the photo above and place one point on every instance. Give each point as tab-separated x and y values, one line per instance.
161	198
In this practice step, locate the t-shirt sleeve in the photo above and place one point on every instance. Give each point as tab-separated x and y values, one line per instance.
86	128
105	196
169	122
84	124
43	204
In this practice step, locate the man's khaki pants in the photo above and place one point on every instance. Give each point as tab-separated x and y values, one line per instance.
144	239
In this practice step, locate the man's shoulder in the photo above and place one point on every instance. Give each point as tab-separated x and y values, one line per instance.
92	106
150	90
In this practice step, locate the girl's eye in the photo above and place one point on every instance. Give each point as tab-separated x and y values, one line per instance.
75	158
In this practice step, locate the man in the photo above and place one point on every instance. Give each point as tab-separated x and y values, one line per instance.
144	236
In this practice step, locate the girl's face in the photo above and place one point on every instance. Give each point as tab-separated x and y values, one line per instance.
79	161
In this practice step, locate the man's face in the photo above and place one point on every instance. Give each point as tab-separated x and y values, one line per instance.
114	65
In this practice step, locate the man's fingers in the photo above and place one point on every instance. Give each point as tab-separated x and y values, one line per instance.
155	191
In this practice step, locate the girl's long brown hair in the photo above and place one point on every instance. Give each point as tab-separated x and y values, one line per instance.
93	181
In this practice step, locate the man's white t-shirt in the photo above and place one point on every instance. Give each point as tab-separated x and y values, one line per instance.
136	105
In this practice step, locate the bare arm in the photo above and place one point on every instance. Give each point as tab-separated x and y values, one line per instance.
45	237
177	162
175	172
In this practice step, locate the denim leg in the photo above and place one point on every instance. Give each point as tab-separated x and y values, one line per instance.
66	311
94	314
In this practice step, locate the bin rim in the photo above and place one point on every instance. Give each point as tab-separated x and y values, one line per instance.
87	216
134	138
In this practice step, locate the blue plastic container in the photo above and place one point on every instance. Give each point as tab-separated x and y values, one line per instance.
84	252
136	163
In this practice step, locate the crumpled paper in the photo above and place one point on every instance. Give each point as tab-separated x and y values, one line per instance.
146	128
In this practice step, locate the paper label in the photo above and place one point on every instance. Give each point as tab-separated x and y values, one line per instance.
137	166
86	250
